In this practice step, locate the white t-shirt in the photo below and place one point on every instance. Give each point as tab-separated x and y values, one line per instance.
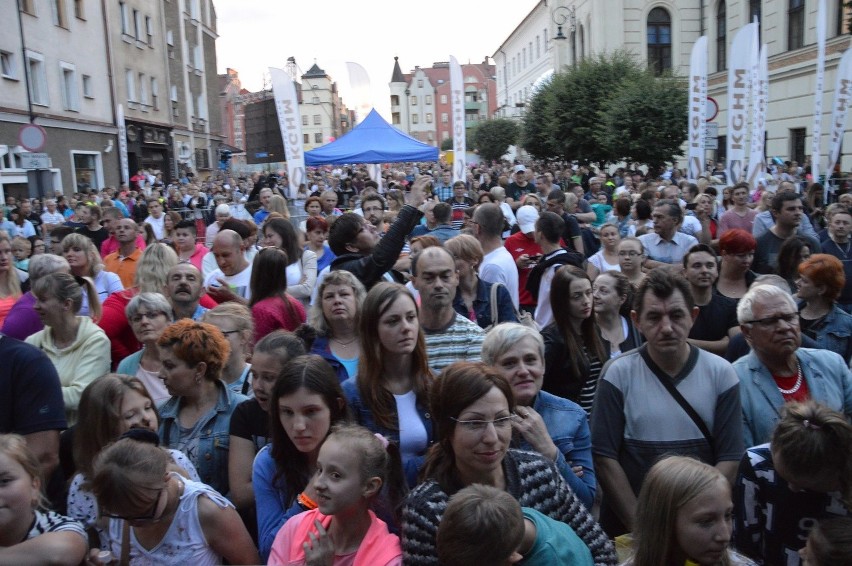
238	283
691	225
498	265
158	224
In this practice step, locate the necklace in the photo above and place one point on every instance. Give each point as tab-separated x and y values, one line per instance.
798	384
342	343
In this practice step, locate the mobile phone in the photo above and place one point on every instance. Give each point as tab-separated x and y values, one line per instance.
691	206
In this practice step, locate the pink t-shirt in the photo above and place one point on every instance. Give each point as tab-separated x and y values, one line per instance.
5	306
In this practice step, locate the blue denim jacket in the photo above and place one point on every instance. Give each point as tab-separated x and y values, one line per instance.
321	348
568	426
834	332
211	460
829	383
482	305
364	417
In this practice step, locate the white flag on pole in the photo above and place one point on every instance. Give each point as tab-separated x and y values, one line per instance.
697	107
122	145
816	156
760	102
842	99
459	141
741	60
290	123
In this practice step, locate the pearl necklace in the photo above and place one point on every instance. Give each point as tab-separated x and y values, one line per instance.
798	384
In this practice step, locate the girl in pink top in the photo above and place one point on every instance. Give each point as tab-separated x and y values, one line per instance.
352	466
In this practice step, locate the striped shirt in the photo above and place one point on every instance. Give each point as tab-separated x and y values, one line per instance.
461	341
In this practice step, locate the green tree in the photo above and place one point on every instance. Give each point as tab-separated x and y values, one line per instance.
567	117
645	120
447	144
493	137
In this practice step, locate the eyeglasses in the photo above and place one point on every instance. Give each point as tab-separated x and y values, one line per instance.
770	321
229	332
501	423
148	517
138	317
630	254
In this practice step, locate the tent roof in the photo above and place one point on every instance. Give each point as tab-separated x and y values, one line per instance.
372	141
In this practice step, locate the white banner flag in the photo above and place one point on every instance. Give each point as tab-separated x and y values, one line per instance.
290	124
697	107
375	171
816	155
842	98
760	102
122	145
459	141
739	72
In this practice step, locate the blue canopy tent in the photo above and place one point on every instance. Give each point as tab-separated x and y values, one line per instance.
372	141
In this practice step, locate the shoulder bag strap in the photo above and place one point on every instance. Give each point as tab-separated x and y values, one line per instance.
494	313
125	544
684	404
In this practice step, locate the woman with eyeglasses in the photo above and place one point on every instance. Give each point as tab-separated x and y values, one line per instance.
110	407
473	411
156	516
149	315
735	275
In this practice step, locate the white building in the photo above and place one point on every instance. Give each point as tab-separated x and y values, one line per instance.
662	32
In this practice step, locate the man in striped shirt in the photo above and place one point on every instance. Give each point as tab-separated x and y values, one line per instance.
449	336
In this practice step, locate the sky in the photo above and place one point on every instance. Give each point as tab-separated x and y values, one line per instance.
257	34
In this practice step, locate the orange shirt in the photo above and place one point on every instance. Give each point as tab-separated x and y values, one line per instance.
124	267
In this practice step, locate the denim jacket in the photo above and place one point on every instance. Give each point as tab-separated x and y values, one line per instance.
211	460
322	348
364	417
834	332
568	426
482	305
829	383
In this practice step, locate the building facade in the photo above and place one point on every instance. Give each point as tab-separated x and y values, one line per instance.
557	34
55	76
79	60
421	105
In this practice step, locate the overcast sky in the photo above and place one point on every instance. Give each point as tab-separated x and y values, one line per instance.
257	34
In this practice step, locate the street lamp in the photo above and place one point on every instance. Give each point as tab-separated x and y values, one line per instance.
562	15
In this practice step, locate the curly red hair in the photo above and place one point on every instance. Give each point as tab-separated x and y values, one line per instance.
195	342
825	270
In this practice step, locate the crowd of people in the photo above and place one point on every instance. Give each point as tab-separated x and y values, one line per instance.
544	364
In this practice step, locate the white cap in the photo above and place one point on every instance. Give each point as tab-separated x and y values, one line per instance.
519	168
527	216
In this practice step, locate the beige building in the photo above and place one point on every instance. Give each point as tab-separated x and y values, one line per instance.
56	79
559	33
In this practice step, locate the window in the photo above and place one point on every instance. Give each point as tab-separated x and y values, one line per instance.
315	100
428	99
573	49
137	25
445	118
582	43
840	17
428	118
414	101
125	18
317	120
70	100
445	135
795	24
149	30
194	9
28	7
87	87
530	52
198	63
420	83
659	40
797	144
155	94
173	95
443	99
60	18
304	119
201	101
524	58
170	43
537	47
7	65
318	137
721	37
79	10
130	78
306	138
143	89
415	119
38	79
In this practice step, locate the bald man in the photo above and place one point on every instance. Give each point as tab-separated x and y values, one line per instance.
124	260
230	282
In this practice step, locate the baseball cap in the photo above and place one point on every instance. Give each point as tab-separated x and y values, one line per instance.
519	168
527	216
